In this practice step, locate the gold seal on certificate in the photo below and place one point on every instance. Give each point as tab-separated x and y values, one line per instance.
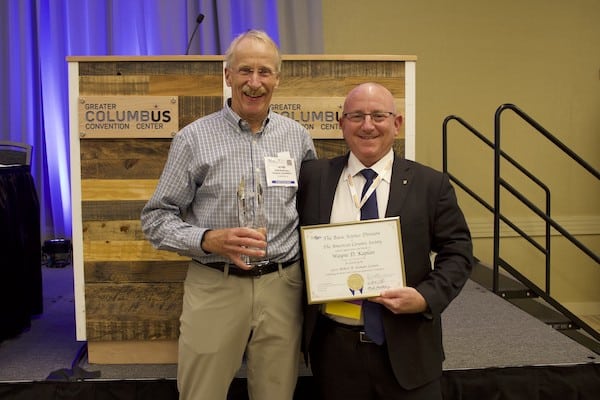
355	283
352	260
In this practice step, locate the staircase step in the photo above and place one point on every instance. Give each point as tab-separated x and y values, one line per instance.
583	339
525	299
544	313
484	275
522	293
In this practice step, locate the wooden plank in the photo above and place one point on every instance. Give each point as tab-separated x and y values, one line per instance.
117	189
328	148
123	158
119	230
182	67
131	250
186	85
107	327
111	210
129	168
159	65
192	108
113	85
133	311
155	85
123	149
135	271
134	301
349	57
314	69
133	352
332	86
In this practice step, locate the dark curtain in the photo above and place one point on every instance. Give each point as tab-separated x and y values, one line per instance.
20	251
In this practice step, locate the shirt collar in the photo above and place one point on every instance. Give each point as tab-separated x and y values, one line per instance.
233	117
354	166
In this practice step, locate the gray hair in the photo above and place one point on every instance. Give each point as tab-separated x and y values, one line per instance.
259	36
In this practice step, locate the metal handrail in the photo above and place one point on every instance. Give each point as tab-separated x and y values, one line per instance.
490	144
550	221
499	183
491	208
574	156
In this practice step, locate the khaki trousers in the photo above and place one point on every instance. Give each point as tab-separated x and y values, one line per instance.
225	318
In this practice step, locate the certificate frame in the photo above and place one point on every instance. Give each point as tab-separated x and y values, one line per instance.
352	260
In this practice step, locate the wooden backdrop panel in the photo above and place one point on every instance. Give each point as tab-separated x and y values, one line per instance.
133	292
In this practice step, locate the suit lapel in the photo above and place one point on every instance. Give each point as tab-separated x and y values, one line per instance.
402	175
329	182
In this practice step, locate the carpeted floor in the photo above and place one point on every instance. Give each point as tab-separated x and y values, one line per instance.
481	330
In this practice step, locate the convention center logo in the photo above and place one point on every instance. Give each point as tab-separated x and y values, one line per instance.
128	116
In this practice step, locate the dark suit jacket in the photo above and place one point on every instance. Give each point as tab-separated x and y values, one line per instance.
430	220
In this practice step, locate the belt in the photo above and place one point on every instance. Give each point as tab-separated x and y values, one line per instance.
256	271
357	331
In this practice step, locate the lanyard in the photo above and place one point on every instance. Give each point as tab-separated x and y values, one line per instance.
359	203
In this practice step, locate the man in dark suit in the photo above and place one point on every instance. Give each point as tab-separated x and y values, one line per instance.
407	364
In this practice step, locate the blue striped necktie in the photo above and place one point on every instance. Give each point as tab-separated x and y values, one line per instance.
371	311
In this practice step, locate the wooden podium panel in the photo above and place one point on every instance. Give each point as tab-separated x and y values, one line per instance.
127	294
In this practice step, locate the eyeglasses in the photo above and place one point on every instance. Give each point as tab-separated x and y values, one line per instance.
378	116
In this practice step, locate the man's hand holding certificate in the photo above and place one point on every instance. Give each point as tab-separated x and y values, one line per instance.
352	260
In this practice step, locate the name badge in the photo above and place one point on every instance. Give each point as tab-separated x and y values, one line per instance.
281	170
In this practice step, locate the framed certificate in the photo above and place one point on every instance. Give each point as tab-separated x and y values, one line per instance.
353	260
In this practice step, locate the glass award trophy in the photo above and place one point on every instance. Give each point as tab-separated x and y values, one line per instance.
251	213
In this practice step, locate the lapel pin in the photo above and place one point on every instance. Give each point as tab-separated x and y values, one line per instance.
404	182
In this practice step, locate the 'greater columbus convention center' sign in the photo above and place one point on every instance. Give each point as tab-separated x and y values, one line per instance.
158	116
